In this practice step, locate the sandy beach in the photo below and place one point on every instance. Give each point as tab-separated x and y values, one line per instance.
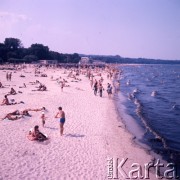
93	130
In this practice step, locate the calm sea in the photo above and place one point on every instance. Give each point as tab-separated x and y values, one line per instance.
152	99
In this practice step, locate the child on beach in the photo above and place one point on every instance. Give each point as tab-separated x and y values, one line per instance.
43	118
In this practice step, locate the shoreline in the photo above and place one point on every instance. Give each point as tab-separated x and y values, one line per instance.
93	132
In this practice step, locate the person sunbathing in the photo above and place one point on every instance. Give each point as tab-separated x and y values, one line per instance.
38	109
35	134
17	114
12	117
21	75
1	86
6	101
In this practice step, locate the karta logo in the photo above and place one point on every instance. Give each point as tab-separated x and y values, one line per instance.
116	170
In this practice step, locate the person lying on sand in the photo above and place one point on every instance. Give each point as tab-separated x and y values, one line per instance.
36	82
21	75
38	109
35	134
16	115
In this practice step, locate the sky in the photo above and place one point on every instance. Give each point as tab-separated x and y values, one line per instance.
129	28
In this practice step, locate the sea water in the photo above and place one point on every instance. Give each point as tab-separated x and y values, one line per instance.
152	99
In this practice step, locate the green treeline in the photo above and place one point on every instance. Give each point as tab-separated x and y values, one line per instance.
12	51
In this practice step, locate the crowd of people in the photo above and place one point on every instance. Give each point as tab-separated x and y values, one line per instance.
96	85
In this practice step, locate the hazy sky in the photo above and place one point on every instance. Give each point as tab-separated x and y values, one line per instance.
129	28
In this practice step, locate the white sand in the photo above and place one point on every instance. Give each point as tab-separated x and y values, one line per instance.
92	133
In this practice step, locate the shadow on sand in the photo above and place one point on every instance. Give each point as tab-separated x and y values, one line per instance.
52	128
74	135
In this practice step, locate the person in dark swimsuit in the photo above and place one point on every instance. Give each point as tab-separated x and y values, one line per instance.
61	115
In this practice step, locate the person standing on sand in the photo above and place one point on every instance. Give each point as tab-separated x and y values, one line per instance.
10	76
7	76
61	115
100	89
95	87
62	86
109	90
43	118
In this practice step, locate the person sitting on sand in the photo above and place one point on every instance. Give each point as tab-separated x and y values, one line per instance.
6	101
1	86
24	86
41	88
35	134
43	75
12	92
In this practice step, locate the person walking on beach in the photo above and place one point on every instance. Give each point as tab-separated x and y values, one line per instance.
10	76
109	90
91	82
61	115
7	76
95	87
100	89
62	86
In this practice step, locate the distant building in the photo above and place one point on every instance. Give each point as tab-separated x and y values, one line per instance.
45	62
84	60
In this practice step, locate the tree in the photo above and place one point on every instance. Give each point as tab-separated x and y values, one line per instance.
75	58
39	50
3	52
12	43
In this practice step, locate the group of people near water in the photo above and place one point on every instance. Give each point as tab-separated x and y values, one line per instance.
34	133
97	85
